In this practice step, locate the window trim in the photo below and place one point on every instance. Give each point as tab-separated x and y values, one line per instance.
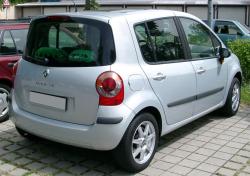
186	41
185	59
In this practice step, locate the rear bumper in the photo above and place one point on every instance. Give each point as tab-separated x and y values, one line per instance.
97	136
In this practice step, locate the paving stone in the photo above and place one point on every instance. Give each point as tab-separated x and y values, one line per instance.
77	169
22	161
152	171
229	150
189	148
198	173
235	145
196	143
240	140
172	159
208	167
233	165
162	165
170	174
182	170
239	159
226	172
7	167
215	161
222	155
18	172
204	151
181	153
244	153
64	174
35	166
48	171
212	146
96	173
197	157
247	169
189	163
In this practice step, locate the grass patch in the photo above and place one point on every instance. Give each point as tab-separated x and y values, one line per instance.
245	94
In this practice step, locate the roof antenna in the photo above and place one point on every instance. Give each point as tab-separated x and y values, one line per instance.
74	5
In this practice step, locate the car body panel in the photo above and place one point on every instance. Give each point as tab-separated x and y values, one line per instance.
139	89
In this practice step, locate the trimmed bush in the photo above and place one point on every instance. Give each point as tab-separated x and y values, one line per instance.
241	48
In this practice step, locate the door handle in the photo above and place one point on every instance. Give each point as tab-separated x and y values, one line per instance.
201	70
11	64
159	77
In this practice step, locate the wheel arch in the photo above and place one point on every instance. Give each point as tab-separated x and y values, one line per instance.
156	113
6	82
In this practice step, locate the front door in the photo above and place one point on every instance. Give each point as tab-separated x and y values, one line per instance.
210	73
171	76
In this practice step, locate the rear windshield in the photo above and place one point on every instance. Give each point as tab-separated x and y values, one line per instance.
63	41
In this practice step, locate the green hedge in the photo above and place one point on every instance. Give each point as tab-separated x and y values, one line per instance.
241	48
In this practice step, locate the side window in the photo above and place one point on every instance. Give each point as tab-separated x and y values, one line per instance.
7	46
225	27
161	42
199	39
20	37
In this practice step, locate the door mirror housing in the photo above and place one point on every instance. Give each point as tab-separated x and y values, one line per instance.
223	53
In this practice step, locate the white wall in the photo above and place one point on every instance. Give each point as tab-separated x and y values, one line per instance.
31	11
10	13
232	13
176	8
49	10
199	11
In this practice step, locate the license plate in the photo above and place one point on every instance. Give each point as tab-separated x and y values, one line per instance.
48	100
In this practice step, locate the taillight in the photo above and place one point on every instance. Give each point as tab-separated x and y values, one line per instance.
110	88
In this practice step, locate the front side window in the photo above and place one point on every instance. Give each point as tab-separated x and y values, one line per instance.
160	40
7	45
225	27
20	36
199	39
70	42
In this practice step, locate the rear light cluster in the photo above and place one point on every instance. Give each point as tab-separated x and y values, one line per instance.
110	88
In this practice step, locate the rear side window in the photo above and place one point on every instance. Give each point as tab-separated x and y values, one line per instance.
226	27
67	42
7	46
159	40
20	37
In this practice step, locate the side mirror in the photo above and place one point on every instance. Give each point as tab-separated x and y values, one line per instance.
239	34
223	53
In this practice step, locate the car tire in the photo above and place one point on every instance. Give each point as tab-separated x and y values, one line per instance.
233	99
139	143
26	135
4	110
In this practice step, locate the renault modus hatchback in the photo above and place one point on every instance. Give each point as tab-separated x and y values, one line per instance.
120	80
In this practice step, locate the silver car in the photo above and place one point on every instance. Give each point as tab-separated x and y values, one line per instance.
119	80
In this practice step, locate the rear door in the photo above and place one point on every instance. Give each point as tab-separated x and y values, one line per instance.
211	74
8	54
171	76
64	56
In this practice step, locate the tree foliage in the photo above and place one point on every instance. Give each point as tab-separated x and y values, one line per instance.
91	5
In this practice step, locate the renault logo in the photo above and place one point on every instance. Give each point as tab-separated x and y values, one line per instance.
46	73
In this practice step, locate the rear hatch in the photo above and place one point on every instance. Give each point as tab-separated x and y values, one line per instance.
57	76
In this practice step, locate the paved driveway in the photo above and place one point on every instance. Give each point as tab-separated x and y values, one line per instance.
209	146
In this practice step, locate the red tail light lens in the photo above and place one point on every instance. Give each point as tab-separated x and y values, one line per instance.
109	86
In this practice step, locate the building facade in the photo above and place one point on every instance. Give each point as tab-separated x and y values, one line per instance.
223	9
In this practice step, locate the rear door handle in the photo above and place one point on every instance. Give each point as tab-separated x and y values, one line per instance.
159	77
11	64
201	70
